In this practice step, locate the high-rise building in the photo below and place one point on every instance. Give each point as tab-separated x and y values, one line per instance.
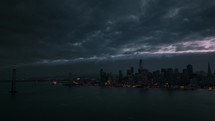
132	70
176	71
102	77
140	66
128	72
190	69
209	70
101	73
163	71
120	76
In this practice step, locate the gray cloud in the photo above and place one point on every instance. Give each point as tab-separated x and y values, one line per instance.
64	31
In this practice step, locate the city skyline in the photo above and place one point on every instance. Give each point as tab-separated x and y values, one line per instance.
208	71
169	78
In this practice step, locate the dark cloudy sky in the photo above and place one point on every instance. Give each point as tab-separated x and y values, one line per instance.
47	37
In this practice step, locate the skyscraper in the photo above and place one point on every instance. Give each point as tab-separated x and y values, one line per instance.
189	69
102	77
132	70
120	76
209	70
140	66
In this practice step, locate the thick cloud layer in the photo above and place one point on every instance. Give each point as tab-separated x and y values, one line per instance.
64	31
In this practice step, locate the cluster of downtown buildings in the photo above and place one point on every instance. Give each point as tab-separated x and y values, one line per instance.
164	78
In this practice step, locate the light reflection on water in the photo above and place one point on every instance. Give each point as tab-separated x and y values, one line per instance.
42	101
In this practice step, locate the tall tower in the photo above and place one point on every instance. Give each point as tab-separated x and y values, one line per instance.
209	70
13	82
120	76
103	77
132	70
140	66
190	69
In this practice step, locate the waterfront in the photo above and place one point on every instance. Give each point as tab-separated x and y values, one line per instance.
42	101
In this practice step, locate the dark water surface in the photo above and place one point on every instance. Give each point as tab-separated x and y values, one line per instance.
43	102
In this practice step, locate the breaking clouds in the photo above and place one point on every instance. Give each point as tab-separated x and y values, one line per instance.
74	31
